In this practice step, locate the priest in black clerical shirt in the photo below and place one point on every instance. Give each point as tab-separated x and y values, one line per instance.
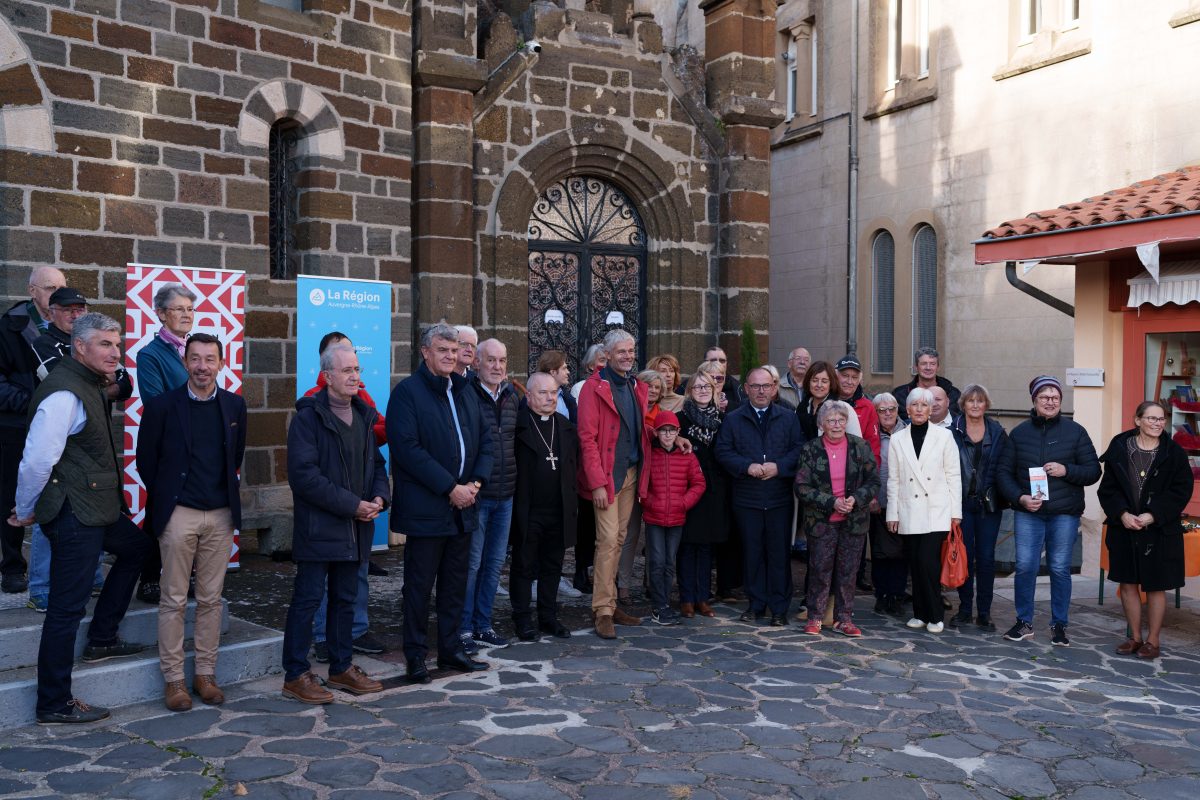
544	508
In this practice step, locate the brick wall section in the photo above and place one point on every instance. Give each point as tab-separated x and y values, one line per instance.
144	97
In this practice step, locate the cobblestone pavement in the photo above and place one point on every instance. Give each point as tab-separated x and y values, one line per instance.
709	709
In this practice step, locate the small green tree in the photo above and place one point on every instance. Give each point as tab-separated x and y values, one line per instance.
749	348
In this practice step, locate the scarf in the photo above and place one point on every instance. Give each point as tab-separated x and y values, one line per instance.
705	420
172	339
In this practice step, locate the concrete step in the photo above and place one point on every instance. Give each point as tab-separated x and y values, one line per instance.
21	630
248	651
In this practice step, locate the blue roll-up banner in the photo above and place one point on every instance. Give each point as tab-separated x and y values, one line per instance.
363	311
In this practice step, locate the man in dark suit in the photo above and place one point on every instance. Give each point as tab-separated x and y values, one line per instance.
190	447
441	454
759	445
544	508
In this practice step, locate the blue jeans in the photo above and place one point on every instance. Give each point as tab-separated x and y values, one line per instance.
360	608
489	545
337	580
1056	533
39	565
662	544
76	547
979	536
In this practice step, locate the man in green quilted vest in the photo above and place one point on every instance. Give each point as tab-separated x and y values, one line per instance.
69	482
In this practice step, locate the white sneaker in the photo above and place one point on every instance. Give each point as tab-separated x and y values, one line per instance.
934	627
501	590
565	587
915	623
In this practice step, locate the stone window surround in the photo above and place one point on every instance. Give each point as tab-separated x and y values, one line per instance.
286	19
907	78
1057	37
798	53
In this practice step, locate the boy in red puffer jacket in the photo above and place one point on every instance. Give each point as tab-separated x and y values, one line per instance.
671	483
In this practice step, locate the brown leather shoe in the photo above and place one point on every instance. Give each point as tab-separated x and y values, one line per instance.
1148	651
704	609
355	681
307	689
176	696
687	610
604	627
206	687
1130	647
621	618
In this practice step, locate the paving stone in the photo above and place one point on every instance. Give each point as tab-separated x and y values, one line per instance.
133	757
952	747
341	771
622	793
1098	793
276	790
525	791
1174	788
881	789
572	770
599	740
270	725
95	740
37	759
366	794
427	781
735	765
313	748
676	777
787	713
514	721
496	769
11	787
257	768
215	746
707	739
343	715
671	695
927	768
1013	775
523	746
407	753
427	716
263	704
177	726
449	735
169	787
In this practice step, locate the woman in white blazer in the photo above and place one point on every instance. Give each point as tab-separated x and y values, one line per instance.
924	497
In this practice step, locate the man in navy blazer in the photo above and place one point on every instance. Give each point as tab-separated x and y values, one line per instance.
441	454
190	447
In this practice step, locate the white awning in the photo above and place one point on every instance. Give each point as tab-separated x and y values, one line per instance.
1178	282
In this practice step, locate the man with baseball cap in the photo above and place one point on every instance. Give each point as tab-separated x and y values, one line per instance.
849	370
1050	448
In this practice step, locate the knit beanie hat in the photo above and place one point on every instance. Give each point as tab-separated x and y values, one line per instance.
1042	381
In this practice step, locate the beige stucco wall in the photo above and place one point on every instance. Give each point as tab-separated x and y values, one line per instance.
983	151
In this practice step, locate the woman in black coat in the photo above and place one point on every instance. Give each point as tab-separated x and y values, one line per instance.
1146	485
708	521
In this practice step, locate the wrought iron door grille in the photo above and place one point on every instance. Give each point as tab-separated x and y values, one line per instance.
587	257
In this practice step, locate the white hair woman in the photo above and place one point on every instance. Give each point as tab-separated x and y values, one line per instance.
924	499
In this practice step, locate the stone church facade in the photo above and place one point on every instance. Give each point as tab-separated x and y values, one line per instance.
543	171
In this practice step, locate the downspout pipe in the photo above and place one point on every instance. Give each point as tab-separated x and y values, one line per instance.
852	195
1010	272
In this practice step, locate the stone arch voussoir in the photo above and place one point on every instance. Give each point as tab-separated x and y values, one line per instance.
24	115
279	99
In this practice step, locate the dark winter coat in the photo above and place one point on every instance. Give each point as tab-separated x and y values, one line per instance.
1037	441
529	450
814	485
995	439
500	417
901	394
17	368
1165	494
708	521
670	485
325	528
163	452
742	442
424	452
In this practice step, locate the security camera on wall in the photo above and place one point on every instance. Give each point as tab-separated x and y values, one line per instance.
533	47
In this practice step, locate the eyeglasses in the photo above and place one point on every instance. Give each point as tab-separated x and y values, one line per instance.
759	387
702	387
1049	398
668	431
835	422
50	289
351	370
888	409
1154	420
180	309
720	360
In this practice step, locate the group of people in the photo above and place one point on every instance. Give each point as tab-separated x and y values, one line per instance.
704	472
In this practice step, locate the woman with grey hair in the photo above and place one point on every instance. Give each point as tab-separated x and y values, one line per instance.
160	362
924	499
980	441
889	572
836	480
160	368
595	358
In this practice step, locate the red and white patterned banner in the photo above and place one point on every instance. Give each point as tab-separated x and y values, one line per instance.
220	310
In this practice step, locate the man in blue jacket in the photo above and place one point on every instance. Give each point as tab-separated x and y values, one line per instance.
339	486
441	456
759	445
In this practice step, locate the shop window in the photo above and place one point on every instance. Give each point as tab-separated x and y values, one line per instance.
904	55
925	287
283	198
883	302
1044	32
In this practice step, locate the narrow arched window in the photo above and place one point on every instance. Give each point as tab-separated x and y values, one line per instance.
883	302
283	198
925	287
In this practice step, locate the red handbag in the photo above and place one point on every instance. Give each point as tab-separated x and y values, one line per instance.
954	558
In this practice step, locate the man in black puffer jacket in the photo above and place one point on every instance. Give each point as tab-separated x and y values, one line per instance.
498	404
1062	449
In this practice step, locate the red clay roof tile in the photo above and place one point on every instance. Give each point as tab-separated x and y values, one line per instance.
1169	193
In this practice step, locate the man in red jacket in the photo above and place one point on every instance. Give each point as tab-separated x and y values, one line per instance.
613	440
